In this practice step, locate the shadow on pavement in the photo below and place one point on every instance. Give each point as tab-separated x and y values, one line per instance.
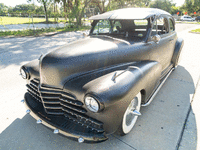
26	134
15	51
162	122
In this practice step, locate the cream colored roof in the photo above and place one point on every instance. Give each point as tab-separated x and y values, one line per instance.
130	13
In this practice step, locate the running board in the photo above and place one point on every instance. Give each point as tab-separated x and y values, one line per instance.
158	88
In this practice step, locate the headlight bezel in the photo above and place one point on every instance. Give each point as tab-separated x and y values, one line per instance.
24	73
91	102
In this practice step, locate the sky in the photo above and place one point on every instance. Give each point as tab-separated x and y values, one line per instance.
16	2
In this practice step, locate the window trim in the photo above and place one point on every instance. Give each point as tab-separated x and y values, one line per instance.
170	18
162	35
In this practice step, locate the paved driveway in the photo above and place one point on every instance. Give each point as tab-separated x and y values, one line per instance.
161	125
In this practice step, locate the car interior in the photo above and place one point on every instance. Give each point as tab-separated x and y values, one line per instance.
131	30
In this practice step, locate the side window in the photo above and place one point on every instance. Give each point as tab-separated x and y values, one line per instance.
162	27
171	25
103	26
116	26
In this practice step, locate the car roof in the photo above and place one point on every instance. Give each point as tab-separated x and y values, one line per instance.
130	13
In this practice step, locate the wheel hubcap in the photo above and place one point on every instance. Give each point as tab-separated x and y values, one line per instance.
131	114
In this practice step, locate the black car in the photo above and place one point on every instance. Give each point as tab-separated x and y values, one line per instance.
95	86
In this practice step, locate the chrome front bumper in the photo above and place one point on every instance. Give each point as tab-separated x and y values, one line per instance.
45	119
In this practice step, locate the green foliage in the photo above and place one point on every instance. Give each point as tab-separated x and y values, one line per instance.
191	6
44	3
162	4
3	9
76	10
175	9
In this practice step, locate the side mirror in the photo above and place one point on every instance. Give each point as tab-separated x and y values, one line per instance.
156	38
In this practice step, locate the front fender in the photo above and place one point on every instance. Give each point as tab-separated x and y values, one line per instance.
33	69
115	96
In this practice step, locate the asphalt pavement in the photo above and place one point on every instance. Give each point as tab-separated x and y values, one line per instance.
171	121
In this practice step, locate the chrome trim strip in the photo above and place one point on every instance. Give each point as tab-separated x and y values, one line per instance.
159	87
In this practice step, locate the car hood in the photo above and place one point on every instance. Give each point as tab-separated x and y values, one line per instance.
80	57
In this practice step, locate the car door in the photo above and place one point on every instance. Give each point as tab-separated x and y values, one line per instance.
163	50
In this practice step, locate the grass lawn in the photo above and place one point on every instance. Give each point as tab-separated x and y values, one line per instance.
196	30
31	32
22	20
188	22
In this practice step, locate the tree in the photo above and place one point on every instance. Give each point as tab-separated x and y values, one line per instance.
64	2
191	6
44	3
103	5
133	3
162	4
175	9
76	10
23	9
3	9
39	10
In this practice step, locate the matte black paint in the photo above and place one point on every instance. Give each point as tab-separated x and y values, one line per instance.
177	51
86	67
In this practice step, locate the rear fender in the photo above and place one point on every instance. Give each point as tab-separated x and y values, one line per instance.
177	51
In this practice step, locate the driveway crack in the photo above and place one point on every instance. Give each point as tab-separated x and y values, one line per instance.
124	142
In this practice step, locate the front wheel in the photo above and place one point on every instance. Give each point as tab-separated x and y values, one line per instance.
130	116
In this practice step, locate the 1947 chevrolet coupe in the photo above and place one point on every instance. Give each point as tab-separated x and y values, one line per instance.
95	86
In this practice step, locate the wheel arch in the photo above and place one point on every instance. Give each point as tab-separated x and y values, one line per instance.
143	94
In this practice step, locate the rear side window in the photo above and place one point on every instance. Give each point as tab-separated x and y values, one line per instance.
171	24
162	26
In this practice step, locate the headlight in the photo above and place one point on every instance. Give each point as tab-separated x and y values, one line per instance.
24	73
91	104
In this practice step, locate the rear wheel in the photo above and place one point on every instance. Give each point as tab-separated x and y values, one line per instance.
130	116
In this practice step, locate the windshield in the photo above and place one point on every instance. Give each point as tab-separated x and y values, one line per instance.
127	28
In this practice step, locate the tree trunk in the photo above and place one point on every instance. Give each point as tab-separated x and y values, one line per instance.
45	10
78	20
65	10
54	7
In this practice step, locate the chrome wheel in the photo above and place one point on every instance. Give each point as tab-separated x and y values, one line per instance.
131	114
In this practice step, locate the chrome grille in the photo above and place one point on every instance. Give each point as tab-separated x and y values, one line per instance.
56	99
57	102
32	88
